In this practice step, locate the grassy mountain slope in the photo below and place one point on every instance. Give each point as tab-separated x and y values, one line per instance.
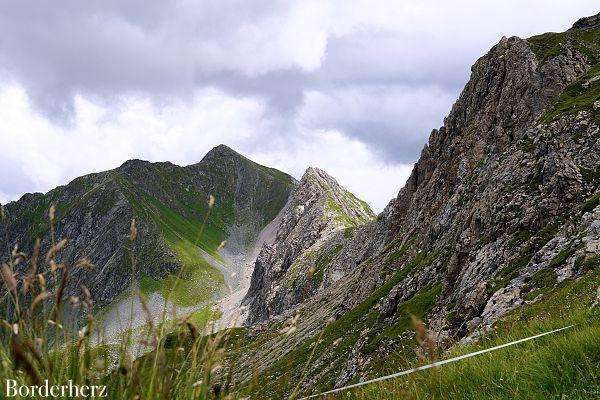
175	223
564	365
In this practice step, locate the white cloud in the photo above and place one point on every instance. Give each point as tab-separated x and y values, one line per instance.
101	137
353	87
350	161
44	155
377	114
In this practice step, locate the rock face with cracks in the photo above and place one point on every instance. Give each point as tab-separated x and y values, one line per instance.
502	204
316	223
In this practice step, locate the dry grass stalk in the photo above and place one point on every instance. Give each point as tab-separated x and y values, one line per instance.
59	294
9	279
160	375
38	299
29	280
193	331
35	352
42	281
17	256
51	216
84	263
133	231
23	362
55	249
52	213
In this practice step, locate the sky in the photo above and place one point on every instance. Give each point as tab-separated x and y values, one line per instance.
352	87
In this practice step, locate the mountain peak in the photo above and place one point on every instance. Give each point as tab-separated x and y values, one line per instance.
223	150
316	183
314	175
133	162
220	154
319	216
132	165
586	23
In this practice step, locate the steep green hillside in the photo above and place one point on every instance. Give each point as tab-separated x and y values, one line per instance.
564	365
567	363
179	232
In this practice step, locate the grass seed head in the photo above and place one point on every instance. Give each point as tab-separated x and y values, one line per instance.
23	362
85	263
54	323
42	281
197	383
74	301
38	299
147	313
9	279
55	249
427	345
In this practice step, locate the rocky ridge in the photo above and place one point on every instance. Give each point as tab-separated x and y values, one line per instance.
315	225
502	205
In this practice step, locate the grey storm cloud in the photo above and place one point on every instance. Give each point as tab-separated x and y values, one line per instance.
382	85
109	47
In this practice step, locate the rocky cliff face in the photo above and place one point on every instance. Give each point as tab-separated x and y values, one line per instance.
316	223
170	205
501	206
510	169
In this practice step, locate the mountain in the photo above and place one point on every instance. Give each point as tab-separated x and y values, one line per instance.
176	227
316	223
495	236
500	215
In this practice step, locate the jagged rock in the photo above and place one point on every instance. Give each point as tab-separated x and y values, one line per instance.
502	194
501	302
473	324
309	236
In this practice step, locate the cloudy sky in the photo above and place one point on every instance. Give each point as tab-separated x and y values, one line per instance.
353	87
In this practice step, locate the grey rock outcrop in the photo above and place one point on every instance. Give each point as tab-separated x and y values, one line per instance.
503	202
491	173
316	223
